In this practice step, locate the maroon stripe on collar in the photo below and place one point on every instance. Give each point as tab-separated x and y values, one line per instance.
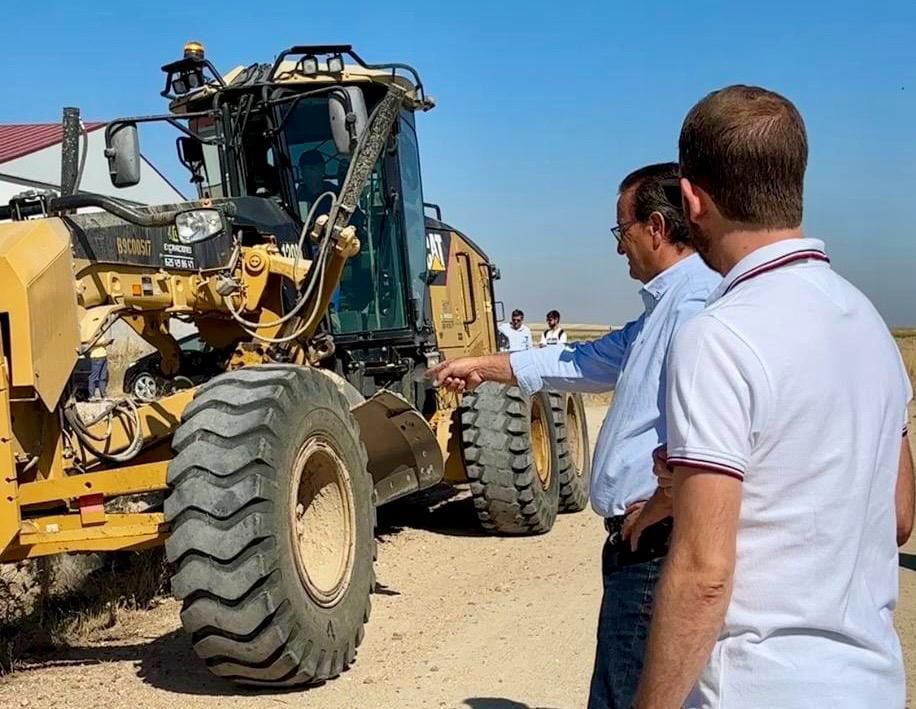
808	254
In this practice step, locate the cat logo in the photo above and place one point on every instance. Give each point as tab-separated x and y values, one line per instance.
435	254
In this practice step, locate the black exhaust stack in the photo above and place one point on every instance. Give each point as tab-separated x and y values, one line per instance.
70	151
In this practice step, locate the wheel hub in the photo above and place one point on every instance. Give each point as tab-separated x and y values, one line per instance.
145	387
574	436
540	443
323	522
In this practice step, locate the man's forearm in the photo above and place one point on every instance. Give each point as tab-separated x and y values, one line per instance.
905	494
495	368
689	609
695	587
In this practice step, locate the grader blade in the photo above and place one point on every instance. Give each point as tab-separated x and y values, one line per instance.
404	455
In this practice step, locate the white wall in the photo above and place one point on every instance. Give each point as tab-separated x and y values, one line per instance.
44	166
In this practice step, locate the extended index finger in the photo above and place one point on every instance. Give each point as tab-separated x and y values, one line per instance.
441	374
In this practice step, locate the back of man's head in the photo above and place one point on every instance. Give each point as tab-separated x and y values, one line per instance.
311	158
655	189
746	147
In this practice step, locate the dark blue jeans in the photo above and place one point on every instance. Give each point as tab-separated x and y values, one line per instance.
98	376
623	622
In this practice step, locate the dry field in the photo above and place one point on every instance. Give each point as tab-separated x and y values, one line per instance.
906	341
101	631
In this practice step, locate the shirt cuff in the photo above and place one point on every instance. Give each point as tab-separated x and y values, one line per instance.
713	461
525	369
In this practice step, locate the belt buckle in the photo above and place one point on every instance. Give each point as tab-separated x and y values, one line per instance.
614	527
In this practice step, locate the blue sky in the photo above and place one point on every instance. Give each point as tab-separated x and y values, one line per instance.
543	107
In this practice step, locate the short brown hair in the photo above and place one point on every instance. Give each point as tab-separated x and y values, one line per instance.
747	148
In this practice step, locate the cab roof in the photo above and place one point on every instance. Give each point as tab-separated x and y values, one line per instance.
287	75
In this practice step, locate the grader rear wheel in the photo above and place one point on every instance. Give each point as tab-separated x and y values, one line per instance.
272	526
575	464
510	451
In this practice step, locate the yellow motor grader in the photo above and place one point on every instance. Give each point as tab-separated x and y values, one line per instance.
309	265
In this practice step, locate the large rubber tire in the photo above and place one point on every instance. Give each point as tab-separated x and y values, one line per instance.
575	460
268	597
513	493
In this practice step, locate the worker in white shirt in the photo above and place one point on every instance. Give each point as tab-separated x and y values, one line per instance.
790	482
516	336
554	334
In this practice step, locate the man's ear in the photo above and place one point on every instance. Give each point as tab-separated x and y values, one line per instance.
694	207
656	225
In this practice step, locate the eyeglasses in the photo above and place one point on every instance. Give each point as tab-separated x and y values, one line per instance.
621	229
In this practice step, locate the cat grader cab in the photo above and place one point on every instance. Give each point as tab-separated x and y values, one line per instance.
327	298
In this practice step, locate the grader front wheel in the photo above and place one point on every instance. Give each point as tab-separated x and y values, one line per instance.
272	526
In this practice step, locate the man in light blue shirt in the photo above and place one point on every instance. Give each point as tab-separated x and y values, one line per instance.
652	234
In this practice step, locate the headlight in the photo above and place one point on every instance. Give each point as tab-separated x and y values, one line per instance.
198	224
336	64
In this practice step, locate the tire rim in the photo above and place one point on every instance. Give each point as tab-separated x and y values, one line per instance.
323	522
574	435
145	387
540	443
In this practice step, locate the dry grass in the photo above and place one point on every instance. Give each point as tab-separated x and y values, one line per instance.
906	341
905	338
79	597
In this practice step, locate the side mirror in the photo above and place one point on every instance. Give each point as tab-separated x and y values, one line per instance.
122	148
190	151
348	116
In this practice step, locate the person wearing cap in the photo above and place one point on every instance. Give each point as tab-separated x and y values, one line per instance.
554	334
786	400
312	180
652	234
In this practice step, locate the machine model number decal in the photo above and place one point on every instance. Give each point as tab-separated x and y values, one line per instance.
130	246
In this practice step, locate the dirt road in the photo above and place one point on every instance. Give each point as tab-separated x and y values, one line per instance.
461	620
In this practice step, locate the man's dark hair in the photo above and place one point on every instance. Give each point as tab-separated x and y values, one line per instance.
657	190
311	157
553	314
747	148
517	313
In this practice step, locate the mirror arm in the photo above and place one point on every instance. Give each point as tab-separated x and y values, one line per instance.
167	118
116	207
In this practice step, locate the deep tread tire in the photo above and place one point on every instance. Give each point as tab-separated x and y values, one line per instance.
574	476
509	497
249	615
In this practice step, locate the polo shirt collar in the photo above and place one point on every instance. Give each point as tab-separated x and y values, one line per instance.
768	258
653	291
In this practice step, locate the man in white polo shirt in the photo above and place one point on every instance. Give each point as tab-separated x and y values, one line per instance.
785	406
516	336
